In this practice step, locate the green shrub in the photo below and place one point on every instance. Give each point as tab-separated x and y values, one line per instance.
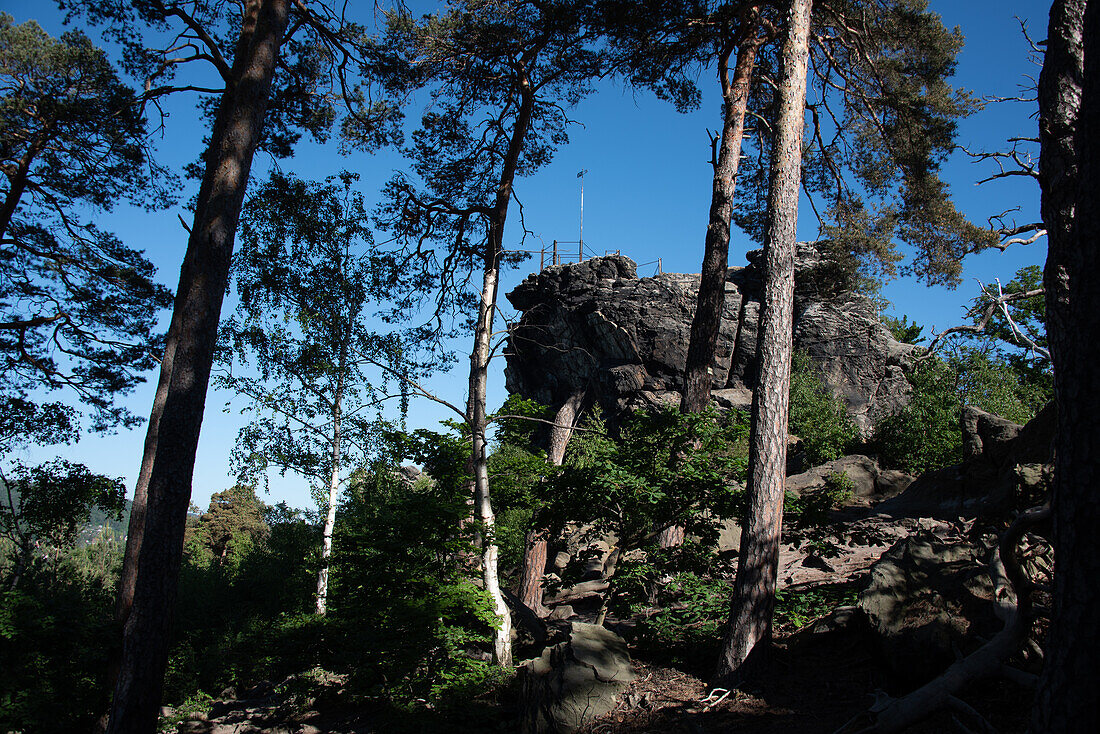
816	415
925	434
56	633
666	467
797	607
679	598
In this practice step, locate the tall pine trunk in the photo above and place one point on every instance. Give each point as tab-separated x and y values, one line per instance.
186	374
1069	122
711	301
754	589
707	321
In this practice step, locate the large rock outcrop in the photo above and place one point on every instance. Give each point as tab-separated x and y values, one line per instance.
597	326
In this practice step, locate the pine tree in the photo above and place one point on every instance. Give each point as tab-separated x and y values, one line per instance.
502	74
1069	165
757	567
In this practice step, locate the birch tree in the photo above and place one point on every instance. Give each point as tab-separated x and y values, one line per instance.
502	75
300	348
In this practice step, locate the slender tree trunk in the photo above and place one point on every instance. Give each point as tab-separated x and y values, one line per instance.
479	372
534	545
564	422
754	589
191	338
479	375
1069	122
707	321
333	491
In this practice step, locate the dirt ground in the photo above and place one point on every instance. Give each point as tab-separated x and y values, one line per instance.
813	684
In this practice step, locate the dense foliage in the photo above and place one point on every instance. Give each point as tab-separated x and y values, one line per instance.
79	308
409	632
926	434
816	415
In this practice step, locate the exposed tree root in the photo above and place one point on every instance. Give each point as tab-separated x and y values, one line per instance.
1012	591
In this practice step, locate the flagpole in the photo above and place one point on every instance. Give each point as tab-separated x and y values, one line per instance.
580	241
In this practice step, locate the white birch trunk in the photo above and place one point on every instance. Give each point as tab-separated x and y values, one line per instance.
333	492
479	363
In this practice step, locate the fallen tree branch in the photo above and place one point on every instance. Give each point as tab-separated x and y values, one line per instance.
1012	591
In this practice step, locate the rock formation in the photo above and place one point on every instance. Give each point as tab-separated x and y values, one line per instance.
1005	467
574	682
597	326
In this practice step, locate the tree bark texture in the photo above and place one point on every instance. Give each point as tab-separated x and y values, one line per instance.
754	589
1069	123
707	320
479	372
191	338
535	541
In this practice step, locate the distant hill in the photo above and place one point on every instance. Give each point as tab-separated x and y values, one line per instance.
99	521
95	525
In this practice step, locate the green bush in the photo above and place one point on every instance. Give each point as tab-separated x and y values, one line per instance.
679	598
925	434
665	468
816	415
797	607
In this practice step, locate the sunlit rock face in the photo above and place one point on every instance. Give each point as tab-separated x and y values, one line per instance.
597	326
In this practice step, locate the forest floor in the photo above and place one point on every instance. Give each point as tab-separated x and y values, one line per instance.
813	684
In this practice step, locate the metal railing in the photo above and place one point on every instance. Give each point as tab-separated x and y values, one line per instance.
557	254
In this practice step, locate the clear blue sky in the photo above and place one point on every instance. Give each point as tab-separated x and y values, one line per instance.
646	193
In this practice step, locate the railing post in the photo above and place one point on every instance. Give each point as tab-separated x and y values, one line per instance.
555	252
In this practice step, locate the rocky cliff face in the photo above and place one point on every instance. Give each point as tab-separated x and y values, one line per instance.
597	326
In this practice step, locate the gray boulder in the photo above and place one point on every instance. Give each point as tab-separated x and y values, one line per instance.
597	326
927	597
869	482
574	682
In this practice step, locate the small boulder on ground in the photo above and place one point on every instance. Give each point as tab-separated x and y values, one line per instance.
869	481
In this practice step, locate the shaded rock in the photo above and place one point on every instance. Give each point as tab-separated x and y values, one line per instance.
926	595
986	434
870	483
574	682
564	611
596	325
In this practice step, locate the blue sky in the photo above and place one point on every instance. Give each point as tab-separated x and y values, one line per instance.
647	192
